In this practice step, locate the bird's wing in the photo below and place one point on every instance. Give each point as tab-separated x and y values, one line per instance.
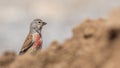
27	44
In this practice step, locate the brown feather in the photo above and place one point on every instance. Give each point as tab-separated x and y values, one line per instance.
27	44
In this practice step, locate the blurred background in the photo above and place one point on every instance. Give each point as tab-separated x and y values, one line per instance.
61	16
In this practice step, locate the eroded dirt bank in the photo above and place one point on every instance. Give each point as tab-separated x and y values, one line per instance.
94	44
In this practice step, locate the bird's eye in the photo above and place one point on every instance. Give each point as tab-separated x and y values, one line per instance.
39	22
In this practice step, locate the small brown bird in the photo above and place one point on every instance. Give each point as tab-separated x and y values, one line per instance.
33	41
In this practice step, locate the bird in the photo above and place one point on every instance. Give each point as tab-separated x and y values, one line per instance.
33	41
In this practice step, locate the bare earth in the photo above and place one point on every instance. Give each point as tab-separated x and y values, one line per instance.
94	44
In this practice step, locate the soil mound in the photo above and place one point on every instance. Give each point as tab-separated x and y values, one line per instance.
94	44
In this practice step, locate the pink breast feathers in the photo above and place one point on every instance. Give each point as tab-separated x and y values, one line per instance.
38	42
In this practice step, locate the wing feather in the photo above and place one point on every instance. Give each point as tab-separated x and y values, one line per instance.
27	44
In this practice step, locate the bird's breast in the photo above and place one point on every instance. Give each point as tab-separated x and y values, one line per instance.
38	40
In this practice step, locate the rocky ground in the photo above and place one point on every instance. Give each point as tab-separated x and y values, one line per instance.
94	44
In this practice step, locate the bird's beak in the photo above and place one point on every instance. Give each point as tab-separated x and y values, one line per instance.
44	23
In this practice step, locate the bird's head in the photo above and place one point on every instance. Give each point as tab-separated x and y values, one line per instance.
37	25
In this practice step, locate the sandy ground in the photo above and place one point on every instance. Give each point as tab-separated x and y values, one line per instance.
94	44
